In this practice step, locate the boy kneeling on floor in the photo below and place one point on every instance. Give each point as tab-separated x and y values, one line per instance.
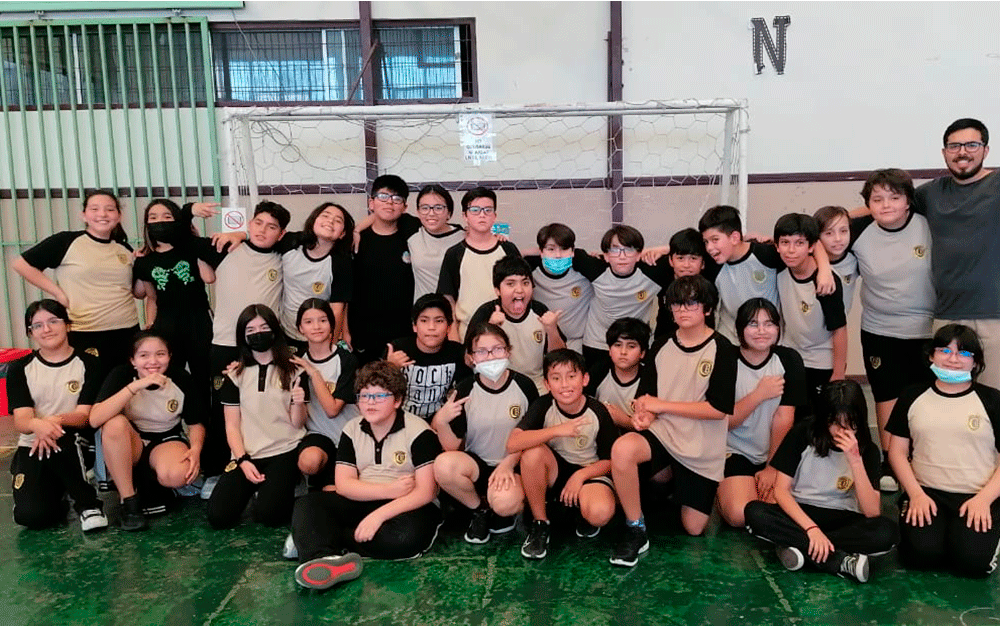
384	506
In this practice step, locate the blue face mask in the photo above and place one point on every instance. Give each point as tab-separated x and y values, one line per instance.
557	266
951	376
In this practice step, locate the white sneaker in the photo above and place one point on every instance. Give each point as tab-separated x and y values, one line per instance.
855	566
206	489
93	519
290	552
790	557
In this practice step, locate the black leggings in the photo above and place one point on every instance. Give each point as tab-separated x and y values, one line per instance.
849	532
275	496
947	542
323	524
111	347
40	485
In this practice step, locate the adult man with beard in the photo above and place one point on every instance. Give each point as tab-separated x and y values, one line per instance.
963	211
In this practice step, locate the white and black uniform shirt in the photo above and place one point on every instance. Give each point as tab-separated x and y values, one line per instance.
847	269
426	255
409	445
897	296
265	421
702	373
810	319
328	277
157	410
823	481
594	442
752	438
431	375
95	274
467	276
52	388
489	415
570	293
953	438
247	275
608	389
753	276
338	370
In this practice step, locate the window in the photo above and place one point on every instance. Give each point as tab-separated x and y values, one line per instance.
412	62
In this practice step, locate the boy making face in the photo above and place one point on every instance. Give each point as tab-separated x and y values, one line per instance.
565	440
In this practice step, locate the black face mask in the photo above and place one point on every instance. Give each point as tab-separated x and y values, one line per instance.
164	232
261	342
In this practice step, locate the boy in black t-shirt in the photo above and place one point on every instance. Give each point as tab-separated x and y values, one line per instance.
430	361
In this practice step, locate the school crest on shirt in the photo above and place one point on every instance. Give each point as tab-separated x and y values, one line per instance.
122	258
581	442
575	292
318	287
217	382
974	422
272	275
514	411
92	352
847	279
758	276
331	386
804	306
537	335
642	295
844	483
18	481
705	368
399	457
919	251
232	465
875	361
73	386
172	405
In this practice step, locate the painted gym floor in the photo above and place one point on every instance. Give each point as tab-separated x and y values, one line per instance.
182	572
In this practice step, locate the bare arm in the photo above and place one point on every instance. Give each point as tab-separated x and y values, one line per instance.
234	429
692	410
839	353
38	278
339	314
206	271
150	304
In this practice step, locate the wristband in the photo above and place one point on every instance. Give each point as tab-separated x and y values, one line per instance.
810	528
245	457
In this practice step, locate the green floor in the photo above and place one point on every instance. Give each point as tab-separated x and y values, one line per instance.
181	572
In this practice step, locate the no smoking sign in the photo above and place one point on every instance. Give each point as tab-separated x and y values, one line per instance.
234	219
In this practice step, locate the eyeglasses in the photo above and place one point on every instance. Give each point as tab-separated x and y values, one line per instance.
690	305
476	210
768	325
377	398
496	351
52	323
970	146
965	354
386	197
431	208
621	250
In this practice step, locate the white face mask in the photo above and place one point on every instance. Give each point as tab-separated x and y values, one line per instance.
492	369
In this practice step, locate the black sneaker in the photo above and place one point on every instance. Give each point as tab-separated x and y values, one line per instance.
855	566
536	546
327	571
584	529
500	525
888	482
633	543
132	516
479	526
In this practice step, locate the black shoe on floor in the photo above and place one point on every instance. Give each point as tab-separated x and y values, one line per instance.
479	526
132	516
633	543
536	546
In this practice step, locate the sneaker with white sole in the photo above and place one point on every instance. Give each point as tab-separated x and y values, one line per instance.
93	519
327	571
790	557
586	530
479	526
855	566
289	551
536	545
634	542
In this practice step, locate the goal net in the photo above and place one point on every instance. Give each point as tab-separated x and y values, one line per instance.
655	165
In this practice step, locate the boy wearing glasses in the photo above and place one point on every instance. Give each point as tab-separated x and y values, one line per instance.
686	390
383	278
468	265
815	325
532	328
384	504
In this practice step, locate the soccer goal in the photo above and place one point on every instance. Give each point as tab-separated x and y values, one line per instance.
655	165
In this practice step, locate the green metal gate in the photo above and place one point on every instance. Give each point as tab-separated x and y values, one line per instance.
125	104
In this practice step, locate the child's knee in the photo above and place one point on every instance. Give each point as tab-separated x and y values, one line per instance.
312	460
694	521
598	511
625	451
115	428
507	502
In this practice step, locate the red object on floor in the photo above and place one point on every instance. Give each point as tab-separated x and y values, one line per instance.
6	356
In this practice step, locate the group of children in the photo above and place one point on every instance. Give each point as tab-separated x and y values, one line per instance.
399	384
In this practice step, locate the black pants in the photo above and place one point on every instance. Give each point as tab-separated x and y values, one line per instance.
323	525
111	347
849	532
189	334
947	542
40	485
815	380
275	496
215	453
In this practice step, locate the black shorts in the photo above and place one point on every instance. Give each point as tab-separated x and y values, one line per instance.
485	470
690	488
151	440
893	364
739	465
324	443
564	470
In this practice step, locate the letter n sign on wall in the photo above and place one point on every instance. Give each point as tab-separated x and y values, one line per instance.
775	47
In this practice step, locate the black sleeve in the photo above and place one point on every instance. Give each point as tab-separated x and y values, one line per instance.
342	281
448	279
510	249
767	254
462	370
721	392
288	242
93	376
787	457
18	393
49	252
832	306
424	448
348	372
990	398
527	387
661	273
345	451
534	417
204	249
460	425
116	381
195	409
872	460
141	268
711	269
858	226
591	267
607	431
899	419
920	198
229	393
408	224
534	261
795	377
647	372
